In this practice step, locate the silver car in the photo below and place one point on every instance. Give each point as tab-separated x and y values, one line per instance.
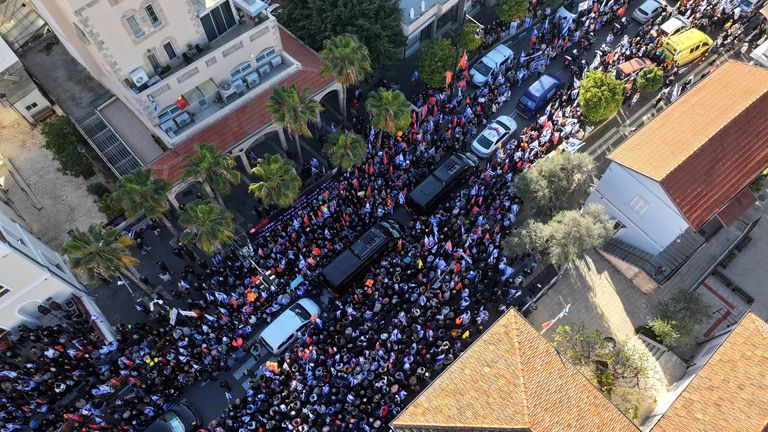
648	10
494	135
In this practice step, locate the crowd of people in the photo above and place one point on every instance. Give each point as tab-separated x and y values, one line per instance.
372	349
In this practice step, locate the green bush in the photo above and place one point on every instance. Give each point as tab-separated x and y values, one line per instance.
664	330
600	97
512	10
109	206
437	58
98	189
469	37
68	146
650	79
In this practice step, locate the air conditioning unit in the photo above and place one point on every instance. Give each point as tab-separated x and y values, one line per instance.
276	61
265	69
239	86
183	119
252	80
169	128
139	76
228	92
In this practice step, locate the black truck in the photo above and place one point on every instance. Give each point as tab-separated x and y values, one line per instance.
425	197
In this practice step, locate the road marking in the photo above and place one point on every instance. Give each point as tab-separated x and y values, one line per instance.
247	365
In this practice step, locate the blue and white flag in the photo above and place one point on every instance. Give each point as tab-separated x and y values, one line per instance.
415	75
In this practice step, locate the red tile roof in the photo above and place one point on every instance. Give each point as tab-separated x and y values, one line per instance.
707	146
238	125
737	207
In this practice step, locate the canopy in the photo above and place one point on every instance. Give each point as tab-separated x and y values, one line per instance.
251	7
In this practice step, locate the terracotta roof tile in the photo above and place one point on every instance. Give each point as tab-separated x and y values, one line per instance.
249	118
708	145
730	392
512	378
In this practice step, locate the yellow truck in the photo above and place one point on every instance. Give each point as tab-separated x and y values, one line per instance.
686	46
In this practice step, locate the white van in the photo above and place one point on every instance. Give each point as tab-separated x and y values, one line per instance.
490	62
282	332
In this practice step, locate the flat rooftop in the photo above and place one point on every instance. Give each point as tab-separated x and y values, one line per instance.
69	84
407	5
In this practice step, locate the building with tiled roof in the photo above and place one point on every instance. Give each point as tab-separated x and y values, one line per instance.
725	388
511	379
176	73
687	171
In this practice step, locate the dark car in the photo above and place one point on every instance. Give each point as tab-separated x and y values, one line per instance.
538	95
427	195
180	418
370	247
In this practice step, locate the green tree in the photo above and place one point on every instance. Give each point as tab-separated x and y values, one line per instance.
105	201
512	10
214	168
99	253
617	369
469	37
347	60
389	111
600	96
376	23
650	79
346	150
278	182
293	110
140	192
683	311
553	183
437	57
665	330
571	233
531	237
68	146
207	224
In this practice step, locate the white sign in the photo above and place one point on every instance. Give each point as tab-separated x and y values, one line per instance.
583	5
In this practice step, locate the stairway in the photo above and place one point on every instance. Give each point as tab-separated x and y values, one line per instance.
669	363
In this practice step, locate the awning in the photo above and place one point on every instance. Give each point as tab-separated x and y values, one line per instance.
251	7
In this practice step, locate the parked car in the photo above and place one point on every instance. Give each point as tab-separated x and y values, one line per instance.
630	67
538	95
747	5
648	10
674	25
357	258
568	10
425	197
494	135
281	333
179	418
490	62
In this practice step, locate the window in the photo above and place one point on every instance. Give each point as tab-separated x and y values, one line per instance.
8	233
135	27
31	106
638	204
169	51
218	21
265	55
153	61
241	70
53	262
81	34
153	18
4	290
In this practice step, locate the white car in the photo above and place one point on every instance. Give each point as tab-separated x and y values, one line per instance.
490	62
283	331
648	10
674	25
494	135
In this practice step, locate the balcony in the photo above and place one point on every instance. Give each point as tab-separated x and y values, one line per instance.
197	52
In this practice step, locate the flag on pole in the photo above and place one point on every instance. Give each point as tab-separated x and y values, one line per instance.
534	35
546	325
415	75
449	246
448	78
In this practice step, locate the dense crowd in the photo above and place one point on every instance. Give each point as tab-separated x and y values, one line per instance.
373	349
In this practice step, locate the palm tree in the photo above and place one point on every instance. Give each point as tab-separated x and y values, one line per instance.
140	192
347	59
279	184
346	150
208	225
99	253
292	110
389	111
214	168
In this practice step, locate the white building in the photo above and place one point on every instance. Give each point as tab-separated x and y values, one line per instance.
18	91
684	175
424	20
182	72
36	285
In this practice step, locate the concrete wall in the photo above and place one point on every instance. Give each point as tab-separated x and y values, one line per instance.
658	225
31	98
